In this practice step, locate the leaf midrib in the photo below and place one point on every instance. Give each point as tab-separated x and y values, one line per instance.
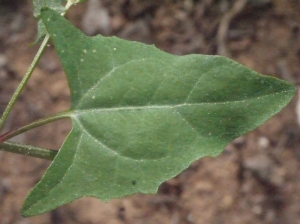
171	106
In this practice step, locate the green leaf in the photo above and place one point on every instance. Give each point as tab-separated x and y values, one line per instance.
41	32
56	5
140	116
37	6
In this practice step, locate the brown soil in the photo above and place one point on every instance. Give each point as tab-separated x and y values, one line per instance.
255	180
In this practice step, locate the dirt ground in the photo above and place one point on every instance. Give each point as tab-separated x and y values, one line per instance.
255	180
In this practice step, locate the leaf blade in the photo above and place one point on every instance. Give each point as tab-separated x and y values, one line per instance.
140	116
37	6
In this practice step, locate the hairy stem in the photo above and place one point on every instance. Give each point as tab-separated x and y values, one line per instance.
34	124
28	150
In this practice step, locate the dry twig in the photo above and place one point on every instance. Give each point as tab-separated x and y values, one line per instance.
222	34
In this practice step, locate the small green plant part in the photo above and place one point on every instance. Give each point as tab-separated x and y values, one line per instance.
139	115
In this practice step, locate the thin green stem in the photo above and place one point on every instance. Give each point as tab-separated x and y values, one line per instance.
68	5
34	124
28	150
28	73
20	148
24	81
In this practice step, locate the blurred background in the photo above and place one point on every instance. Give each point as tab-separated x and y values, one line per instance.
255	180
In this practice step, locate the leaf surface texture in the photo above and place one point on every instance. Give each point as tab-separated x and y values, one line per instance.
140	116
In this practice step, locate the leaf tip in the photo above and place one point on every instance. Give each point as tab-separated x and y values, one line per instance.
25	213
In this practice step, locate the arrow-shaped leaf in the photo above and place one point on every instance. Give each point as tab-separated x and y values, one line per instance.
140	116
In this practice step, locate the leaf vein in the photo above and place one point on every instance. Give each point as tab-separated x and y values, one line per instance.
78	112
196	84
